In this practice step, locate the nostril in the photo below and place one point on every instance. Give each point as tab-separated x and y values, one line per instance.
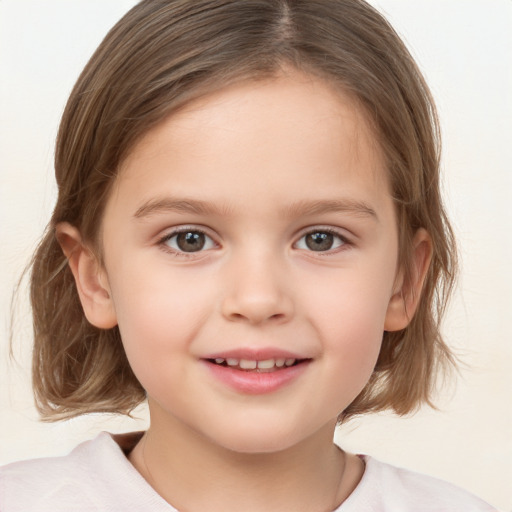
256	306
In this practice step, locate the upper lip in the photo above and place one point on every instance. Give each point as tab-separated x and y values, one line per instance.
258	354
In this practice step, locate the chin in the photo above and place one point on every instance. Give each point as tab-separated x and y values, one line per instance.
258	440
258	446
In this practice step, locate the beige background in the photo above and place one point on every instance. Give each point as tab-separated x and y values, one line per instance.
465	49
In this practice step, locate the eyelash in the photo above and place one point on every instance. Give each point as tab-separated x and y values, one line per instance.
163	241
345	242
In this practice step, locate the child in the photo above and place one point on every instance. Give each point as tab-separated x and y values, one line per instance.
248	234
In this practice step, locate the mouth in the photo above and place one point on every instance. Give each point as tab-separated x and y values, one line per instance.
249	372
258	366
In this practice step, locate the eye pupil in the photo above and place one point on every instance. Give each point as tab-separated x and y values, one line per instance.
319	241
190	241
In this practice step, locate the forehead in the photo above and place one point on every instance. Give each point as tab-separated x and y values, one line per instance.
294	132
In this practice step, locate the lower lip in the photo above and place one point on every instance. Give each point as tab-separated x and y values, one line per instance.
256	383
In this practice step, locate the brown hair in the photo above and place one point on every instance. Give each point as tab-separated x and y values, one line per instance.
159	56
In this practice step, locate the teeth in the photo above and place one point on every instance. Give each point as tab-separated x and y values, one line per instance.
245	364
269	363
248	364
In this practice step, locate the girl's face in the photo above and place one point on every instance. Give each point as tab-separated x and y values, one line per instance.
251	251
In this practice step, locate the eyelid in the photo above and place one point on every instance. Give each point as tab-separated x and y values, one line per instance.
337	232
343	233
172	232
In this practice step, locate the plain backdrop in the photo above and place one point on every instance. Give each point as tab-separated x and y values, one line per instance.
464	47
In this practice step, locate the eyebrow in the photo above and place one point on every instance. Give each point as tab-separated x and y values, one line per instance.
169	204
300	208
305	208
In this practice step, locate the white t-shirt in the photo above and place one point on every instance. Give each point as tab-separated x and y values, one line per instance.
97	476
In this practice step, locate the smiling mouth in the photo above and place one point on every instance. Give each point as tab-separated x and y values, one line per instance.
249	365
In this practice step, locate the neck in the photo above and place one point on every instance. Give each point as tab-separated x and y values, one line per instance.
192	473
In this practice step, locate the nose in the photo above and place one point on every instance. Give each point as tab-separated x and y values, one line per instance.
257	291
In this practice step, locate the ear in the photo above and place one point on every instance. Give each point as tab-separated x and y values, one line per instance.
406	295
90	277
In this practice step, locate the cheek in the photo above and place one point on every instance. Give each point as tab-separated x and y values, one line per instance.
351	355
349	317
159	313
354	340
350	304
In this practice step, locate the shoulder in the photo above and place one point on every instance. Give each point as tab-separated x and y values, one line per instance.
386	488
57	481
95	476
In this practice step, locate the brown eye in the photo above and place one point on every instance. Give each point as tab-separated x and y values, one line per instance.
189	241
320	241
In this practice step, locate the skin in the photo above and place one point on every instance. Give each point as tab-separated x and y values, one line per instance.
270	162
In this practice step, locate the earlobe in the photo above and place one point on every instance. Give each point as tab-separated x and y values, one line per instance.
407	293
90	277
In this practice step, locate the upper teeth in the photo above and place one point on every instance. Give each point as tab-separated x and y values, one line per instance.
249	364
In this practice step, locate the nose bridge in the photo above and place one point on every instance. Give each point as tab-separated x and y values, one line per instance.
256	287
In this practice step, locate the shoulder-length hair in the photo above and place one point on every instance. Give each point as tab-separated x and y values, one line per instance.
161	55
